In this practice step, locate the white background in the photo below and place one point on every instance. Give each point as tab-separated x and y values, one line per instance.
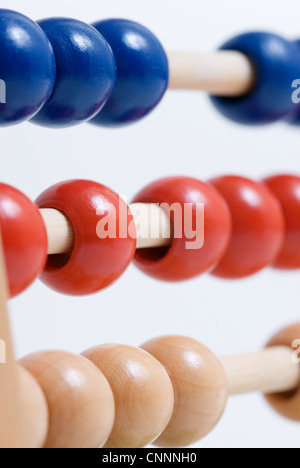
183	136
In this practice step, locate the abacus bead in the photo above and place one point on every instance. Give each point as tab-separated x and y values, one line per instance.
276	65
177	262
27	68
286	188
200	389
85	76
142	390
287	404
24	238
258	227
142	72
94	263
34	410
80	401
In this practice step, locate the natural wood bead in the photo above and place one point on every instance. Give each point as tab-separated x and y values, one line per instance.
80	401
31	412
200	388
143	394
287	404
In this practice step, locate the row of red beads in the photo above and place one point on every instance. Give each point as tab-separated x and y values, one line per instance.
248	226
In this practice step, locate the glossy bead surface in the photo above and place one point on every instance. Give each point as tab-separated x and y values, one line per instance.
24	238
142	390
200	388
286	188
177	262
276	65
258	227
95	263
287	404
27	68
142	72
80	401
85	73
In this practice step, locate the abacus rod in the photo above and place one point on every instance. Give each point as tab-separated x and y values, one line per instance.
10	398
269	371
152	223
222	73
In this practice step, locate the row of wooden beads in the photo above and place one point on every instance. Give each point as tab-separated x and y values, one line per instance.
172	391
116	72
247	226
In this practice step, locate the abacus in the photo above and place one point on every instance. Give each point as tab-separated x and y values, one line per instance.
79	236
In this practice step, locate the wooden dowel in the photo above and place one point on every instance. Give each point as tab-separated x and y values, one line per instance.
152	225
269	371
222	73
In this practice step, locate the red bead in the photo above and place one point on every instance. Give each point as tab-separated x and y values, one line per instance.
24	238
177	262
258	227
287	189
95	262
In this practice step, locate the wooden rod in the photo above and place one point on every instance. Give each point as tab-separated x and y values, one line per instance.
152	223
269	371
10	398
222	73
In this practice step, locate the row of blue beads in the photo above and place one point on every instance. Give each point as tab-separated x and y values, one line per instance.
61	72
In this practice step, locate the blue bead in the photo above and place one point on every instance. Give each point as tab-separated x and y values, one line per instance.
142	72
85	73
277	65
294	117
27	68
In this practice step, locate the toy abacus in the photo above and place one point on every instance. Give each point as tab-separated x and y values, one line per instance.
79	236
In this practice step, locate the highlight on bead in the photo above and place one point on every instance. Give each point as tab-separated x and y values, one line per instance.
116	72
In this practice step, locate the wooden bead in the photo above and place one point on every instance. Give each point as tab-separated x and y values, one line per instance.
258	227
200	388
142	390
85	73
187	256
80	400
276	66
98	257
287	404
28	421
24	239
293	117
27	67
142	72
34	409
286	188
